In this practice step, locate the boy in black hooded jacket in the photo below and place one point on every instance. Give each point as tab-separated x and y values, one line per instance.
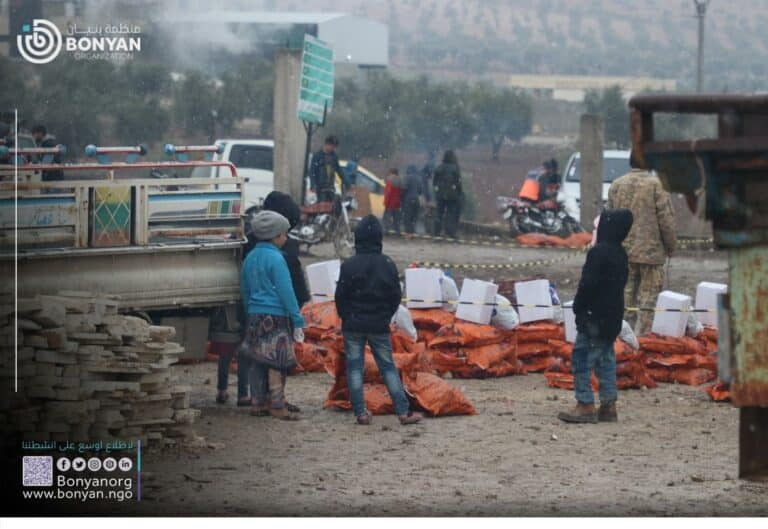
367	296
599	308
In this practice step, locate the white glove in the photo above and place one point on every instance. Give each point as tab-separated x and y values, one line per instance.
298	335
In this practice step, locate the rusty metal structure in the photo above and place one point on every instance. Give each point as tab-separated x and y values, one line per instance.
731	171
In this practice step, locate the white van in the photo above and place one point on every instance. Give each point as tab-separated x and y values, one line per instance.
254	160
615	164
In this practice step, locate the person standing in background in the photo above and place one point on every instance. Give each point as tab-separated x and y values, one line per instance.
411	198
392	201
651	241
449	195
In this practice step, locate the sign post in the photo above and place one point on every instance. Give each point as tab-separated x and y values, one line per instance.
315	93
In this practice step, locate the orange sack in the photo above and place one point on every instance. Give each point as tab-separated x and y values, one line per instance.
539	332
688	376
485	356
719	392
530	349
462	333
445	360
579	240
321	319
309	358
666	344
537	239
377	399
436	396
431	319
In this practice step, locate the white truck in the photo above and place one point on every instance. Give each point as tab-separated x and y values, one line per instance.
172	256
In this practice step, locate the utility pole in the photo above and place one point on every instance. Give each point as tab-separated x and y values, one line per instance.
701	11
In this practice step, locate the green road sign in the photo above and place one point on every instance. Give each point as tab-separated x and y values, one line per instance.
316	84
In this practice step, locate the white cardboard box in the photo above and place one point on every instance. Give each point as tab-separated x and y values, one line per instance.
534	293
423	283
706	298
570	322
671	323
322	278
476	291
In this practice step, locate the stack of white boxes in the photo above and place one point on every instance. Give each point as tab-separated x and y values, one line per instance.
706	298
570	322
481	295
423	284
534	293
671	323
322	278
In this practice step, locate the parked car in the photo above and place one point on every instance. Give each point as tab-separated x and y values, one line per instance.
615	164
254	162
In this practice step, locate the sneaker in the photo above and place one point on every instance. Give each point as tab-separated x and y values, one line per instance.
582	413
222	397
607	413
292	408
410	418
365	419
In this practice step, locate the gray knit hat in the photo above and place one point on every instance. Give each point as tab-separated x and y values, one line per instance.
266	225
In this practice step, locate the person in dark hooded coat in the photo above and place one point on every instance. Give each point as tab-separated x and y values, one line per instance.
367	297
599	309
285	205
449	195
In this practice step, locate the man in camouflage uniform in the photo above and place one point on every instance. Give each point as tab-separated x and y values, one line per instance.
650	242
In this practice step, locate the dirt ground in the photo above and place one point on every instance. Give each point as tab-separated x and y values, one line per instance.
673	452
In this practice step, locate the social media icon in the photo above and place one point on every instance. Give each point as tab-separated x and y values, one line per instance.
94	464
63	464
109	464
78	464
125	464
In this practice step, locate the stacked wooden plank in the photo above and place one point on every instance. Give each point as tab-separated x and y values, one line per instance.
87	372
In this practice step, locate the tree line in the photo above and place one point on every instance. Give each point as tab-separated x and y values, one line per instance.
147	102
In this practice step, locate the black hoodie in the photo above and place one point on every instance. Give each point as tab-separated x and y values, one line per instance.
285	205
599	302
368	292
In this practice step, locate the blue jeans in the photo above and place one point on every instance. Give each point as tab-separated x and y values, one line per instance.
593	353
354	347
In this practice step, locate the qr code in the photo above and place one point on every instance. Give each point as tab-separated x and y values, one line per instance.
37	471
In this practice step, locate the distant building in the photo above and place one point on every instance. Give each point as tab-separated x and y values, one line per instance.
573	87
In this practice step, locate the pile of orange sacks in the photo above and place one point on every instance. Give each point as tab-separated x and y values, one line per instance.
427	392
685	360
630	368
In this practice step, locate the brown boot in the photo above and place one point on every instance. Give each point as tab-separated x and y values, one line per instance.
582	413
607	413
283	414
260	410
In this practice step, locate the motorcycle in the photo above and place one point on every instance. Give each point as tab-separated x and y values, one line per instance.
548	216
328	221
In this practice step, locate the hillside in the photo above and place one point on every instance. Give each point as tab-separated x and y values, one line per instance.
594	37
